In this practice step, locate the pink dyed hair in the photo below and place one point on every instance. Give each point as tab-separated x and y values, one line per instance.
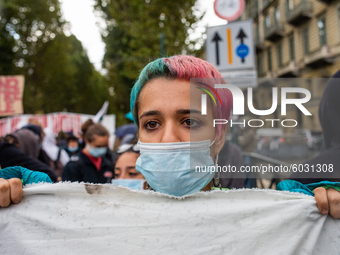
185	67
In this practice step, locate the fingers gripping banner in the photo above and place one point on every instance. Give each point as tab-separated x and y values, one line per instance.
77	218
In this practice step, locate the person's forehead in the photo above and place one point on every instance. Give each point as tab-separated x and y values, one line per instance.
165	93
127	158
100	139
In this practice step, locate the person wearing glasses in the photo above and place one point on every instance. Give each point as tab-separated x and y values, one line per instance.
126	174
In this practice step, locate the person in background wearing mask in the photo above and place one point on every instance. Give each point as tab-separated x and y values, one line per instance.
72	145
110	156
91	166
126	174
84	127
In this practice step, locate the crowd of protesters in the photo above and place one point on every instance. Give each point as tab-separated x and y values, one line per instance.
65	157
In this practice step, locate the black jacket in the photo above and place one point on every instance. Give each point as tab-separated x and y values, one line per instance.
10	155
231	155
329	115
83	170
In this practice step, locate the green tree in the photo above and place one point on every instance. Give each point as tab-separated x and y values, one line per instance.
58	73
132	36
64	78
25	28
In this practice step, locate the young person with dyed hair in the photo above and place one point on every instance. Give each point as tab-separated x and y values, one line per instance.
167	109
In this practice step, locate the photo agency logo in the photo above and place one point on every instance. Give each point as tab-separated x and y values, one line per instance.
204	97
239	102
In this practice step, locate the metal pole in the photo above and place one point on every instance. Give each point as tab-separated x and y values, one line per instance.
162	44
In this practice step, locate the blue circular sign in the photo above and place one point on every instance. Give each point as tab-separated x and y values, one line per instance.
242	51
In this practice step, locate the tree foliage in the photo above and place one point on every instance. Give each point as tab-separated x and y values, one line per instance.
132	36
64	78
58	73
25	28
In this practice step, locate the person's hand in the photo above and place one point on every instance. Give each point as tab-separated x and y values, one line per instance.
328	201
10	191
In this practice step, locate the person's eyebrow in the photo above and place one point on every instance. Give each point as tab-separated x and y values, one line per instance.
130	167
100	145
117	168
187	111
150	113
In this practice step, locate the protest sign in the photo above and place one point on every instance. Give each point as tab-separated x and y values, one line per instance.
79	218
60	121
11	92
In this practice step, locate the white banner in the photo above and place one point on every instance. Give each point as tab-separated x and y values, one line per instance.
61	121
73	218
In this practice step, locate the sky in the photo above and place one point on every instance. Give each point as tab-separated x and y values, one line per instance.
83	25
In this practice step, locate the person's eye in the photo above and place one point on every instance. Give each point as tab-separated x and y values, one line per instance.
150	125
191	123
133	174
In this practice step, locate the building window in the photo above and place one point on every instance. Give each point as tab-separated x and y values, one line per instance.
322	31
291	47
277	14
305	39
267	21
289	5
269	56
279	53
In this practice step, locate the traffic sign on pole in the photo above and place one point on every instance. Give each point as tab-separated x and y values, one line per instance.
231	46
229	9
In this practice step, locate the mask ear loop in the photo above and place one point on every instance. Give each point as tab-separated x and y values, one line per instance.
143	183
147	186
216	180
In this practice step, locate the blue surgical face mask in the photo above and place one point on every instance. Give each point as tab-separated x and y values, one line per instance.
134	184
72	149
96	152
172	168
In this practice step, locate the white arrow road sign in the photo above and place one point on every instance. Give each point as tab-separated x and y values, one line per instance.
231	46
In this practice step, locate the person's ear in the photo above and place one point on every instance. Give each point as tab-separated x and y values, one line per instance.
219	143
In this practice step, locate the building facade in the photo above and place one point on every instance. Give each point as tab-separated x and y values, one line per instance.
295	39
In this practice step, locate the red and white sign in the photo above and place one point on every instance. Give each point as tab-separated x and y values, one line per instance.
229	10
11	91
56	122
